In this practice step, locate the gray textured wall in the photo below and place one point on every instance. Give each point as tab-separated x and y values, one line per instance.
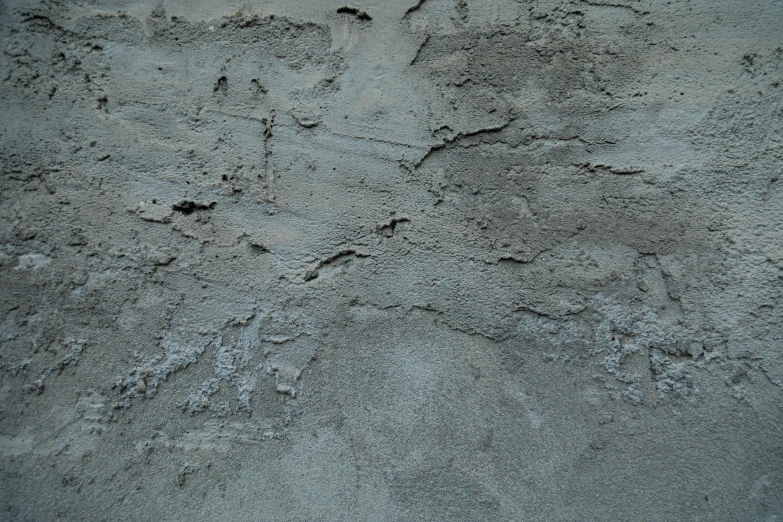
454	260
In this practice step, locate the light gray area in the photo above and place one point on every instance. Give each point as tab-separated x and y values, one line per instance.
388	260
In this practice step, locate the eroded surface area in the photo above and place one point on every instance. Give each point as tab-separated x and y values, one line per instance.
389	260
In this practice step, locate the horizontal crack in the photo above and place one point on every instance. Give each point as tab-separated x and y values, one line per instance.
460	136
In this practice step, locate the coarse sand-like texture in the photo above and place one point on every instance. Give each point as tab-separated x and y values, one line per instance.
463	260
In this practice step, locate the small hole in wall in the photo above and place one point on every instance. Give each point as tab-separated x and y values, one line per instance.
221	84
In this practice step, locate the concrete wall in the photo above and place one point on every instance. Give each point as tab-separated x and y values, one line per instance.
387	260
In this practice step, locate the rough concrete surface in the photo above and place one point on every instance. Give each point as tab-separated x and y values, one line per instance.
391	260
